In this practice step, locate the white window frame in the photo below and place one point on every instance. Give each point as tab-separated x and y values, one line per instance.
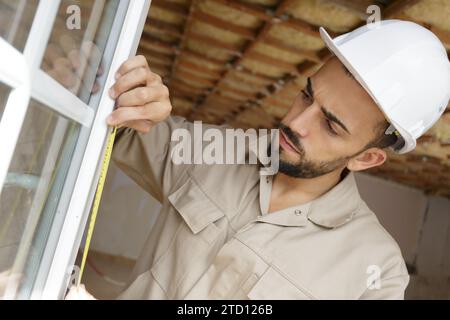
57	263
14	74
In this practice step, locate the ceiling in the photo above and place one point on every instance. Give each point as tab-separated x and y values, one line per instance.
242	62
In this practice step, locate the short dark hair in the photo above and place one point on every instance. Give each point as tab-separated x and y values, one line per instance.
383	140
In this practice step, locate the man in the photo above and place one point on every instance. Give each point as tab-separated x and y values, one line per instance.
227	232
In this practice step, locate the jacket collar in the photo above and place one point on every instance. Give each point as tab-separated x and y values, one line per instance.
333	209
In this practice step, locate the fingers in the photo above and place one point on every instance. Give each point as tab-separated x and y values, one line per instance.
132	79
142	95
154	112
123	115
130	64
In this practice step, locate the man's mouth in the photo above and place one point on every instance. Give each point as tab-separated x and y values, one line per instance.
286	144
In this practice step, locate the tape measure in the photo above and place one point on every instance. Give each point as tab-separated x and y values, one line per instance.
97	199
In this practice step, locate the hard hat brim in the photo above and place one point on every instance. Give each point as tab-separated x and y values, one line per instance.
410	142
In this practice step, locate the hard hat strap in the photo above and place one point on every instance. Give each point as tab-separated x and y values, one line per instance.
390	130
400	142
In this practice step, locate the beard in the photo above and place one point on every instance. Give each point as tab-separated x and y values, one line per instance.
304	168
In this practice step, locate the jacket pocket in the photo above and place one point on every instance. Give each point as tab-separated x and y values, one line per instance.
275	286
197	210
200	225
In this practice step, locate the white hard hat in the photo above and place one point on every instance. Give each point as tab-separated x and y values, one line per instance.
404	68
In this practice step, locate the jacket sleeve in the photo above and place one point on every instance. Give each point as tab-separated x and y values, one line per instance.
146	158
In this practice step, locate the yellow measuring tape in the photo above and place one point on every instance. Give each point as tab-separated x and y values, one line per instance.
97	199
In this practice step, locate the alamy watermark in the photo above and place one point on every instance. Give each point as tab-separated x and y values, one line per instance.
374	16
214	146
373	281
73	21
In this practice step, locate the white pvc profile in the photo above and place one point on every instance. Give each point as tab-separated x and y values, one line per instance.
41	29
53	95
76	217
16	106
38	203
44	88
13	67
117	15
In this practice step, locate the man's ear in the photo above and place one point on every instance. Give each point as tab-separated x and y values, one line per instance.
369	158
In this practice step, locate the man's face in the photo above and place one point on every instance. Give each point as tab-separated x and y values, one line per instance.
330	122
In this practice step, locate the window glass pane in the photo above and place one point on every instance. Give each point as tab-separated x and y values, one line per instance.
76	55
16	18
4	94
33	186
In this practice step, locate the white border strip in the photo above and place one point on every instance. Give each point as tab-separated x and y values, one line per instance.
75	220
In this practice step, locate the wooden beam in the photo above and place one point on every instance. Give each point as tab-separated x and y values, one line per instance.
356	7
303	69
274	16
251	9
274	102
221	106
226	88
183	39
397	7
224	24
159	65
183	95
171	6
284	5
164	26
201	57
161	71
223	100
179	84
198	68
263	58
303	27
226	46
248	51
257	75
147	38
280	44
156	54
185	74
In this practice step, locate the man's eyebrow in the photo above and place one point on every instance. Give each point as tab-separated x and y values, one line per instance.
333	118
330	116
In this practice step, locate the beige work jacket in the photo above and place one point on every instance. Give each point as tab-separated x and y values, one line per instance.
214	237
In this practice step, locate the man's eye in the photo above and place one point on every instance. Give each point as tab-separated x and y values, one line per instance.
306	96
330	128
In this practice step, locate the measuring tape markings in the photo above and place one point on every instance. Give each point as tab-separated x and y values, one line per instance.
97	199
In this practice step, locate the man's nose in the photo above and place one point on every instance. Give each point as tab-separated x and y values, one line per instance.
302	122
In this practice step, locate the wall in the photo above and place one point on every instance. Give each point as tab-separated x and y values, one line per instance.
400	210
125	218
